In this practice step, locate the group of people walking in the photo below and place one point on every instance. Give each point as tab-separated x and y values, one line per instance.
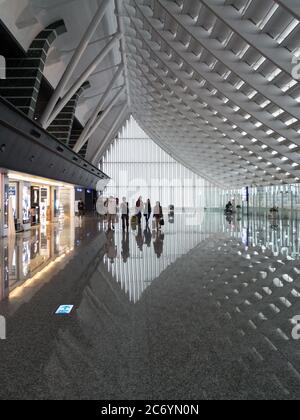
146	210
141	209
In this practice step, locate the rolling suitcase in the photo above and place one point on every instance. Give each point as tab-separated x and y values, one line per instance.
134	220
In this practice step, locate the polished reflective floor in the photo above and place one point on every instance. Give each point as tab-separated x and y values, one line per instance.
204	309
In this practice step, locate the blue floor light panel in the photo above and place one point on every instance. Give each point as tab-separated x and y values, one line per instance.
64	310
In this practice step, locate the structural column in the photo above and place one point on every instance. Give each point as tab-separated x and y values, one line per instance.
24	75
62	126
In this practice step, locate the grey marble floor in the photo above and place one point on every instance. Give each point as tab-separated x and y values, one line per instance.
203	310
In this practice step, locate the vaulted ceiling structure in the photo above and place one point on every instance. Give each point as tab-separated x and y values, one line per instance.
214	82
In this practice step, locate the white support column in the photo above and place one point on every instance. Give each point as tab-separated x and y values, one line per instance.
107	138
83	78
98	109
121	29
99	120
74	61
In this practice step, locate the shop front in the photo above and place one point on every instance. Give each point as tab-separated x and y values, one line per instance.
19	203
88	197
27	201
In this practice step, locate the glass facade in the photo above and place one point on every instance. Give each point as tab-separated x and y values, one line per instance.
286	198
138	166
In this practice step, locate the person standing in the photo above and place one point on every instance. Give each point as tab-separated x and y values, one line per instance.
158	215
81	208
125	214
139	209
112	212
147	211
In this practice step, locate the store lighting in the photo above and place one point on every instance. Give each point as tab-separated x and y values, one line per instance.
36	180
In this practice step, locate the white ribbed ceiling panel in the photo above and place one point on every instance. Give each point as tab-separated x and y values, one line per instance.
212	81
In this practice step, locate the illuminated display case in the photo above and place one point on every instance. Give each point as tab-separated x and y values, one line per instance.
13	195
35	205
26	204
5	206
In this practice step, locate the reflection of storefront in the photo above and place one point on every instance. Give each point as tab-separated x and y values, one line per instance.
4	196
4	272
32	253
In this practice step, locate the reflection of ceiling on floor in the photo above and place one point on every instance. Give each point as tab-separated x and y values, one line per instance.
236	312
141	257
214	82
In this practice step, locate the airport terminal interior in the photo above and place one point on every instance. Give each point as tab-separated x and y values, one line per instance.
150	200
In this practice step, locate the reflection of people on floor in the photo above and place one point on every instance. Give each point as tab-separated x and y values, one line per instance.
148	236
229	219
159	244
125	246
158	215
102	221
110	246
139	238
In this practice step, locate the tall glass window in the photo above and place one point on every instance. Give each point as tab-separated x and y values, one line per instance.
138	166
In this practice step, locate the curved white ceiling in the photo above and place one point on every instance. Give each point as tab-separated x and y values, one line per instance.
214	82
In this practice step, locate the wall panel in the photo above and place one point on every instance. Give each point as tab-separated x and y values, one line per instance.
138	166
